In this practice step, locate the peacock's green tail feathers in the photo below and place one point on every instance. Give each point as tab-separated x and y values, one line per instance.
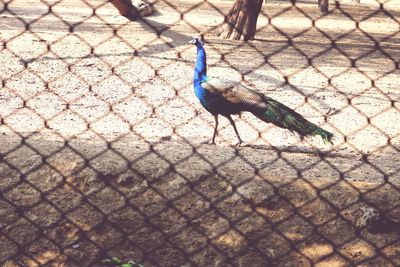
325	135
284	117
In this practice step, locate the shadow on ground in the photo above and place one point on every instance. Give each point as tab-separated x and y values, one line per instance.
172	203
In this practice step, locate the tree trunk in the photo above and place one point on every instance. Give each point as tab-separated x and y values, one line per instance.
128	10
241	21
323	5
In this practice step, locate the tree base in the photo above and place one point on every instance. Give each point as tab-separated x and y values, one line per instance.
241	21
230	32
133	12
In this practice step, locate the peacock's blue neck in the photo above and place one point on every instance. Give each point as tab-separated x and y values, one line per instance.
200	69
200	72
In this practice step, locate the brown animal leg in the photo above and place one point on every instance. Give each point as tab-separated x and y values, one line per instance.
236	131
215	129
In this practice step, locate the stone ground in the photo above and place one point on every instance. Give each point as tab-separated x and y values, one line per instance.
104	146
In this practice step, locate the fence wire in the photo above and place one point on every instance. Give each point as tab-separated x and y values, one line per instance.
104	147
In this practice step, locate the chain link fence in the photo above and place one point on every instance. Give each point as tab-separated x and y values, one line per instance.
104	147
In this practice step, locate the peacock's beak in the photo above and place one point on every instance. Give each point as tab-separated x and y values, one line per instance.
193	41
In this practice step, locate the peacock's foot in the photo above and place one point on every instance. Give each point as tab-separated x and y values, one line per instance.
239	143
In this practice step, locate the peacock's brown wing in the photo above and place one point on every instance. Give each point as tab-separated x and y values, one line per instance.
236	94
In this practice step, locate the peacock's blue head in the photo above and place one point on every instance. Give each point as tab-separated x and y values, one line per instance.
197	41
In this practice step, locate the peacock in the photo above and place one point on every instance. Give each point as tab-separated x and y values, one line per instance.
222	97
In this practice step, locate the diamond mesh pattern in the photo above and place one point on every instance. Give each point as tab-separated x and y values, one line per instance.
104	146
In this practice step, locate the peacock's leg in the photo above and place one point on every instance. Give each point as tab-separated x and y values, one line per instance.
236	131
215	129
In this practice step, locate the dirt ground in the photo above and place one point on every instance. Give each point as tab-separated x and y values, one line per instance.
103	144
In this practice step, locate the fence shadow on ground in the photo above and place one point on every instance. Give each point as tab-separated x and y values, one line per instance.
104	151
